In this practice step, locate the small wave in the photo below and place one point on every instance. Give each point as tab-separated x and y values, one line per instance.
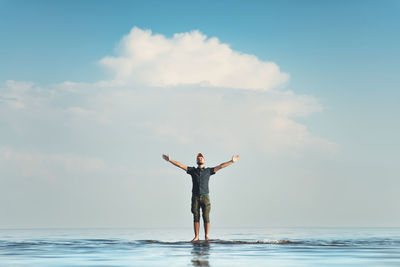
308	243
123	243
249	242
219	241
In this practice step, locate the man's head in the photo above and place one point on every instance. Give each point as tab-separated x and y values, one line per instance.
199	159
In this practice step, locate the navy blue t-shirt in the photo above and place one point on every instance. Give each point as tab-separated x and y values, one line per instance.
200	178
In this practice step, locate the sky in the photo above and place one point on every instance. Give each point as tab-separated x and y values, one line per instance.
92	93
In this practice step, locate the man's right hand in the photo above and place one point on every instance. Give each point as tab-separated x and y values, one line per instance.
166	157
180	165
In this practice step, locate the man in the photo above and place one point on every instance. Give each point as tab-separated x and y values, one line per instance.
200	197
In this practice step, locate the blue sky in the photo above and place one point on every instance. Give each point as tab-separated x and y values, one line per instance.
332	49
342	53
357	37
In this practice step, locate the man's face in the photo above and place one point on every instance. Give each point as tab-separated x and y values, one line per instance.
200	160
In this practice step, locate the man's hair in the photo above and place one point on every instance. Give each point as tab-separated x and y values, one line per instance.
199	155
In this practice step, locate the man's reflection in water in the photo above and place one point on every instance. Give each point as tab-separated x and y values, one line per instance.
200	253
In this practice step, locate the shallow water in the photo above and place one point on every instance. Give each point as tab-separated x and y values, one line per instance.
230	247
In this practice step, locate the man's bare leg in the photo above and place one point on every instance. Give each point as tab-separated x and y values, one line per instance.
196	226
206	230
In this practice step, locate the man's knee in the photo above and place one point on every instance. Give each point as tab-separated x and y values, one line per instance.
206	218
196	218
206	210
195	209
196	215
206	214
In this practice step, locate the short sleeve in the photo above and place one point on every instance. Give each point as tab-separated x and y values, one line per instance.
211	171
190	170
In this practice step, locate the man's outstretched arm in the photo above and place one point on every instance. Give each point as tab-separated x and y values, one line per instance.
226	164
178	164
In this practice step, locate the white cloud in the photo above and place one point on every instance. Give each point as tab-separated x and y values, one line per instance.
189	58
171	95
134	106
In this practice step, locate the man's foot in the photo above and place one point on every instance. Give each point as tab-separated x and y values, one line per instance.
196	238
207	238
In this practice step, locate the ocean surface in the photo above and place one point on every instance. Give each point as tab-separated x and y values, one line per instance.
228	247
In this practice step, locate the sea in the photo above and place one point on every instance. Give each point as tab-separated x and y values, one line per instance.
297	246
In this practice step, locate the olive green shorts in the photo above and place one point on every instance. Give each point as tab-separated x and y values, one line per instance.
202	202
